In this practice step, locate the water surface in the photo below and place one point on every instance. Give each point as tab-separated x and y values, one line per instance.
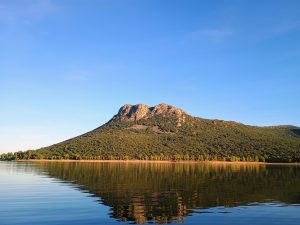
124	193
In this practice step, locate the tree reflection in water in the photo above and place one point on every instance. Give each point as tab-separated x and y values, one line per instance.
165	192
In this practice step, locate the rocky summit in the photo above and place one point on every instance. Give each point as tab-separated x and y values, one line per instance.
140	111
164	132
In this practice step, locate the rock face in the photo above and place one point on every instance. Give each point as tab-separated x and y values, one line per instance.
141	111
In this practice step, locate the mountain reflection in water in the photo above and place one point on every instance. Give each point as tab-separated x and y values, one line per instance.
165	192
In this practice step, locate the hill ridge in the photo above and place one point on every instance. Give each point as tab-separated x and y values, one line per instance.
164	132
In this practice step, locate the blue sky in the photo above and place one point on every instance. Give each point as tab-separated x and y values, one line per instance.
67	66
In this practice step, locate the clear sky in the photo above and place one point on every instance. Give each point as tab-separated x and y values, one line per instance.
66	66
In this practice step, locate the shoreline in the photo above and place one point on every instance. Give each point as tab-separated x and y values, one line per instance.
157	161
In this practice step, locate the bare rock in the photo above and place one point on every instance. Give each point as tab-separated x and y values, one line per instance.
166	109
140	111
132	112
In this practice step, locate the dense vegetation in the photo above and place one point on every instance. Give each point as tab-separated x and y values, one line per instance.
160	138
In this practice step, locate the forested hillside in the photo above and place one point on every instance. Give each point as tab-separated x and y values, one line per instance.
169	134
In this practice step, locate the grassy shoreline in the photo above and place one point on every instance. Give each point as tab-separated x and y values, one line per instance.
155	161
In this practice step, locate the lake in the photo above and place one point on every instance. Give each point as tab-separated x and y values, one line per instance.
61	193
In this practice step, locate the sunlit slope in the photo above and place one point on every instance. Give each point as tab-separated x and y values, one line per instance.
164	132
160	137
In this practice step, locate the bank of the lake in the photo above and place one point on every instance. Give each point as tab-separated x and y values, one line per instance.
159	161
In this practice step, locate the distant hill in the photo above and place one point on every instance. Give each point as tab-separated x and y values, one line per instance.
164	132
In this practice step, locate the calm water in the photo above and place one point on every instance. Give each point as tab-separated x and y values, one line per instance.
125	193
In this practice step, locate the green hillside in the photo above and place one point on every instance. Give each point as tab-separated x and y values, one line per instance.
162	137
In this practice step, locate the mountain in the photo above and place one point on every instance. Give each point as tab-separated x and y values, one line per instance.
164	132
